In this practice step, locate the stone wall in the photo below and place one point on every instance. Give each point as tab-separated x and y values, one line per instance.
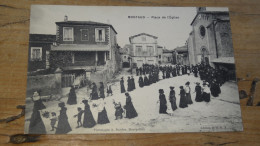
45	84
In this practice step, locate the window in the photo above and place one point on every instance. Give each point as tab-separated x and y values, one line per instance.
159	56
68	34
84	34
100	34
139	50
36	53
150	50
202	31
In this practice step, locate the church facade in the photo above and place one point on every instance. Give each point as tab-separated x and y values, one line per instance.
210	40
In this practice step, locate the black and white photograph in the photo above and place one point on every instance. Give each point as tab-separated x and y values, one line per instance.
122	69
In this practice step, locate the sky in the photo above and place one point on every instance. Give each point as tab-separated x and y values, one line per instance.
171	33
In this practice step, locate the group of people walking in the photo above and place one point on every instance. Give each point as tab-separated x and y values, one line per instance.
212	79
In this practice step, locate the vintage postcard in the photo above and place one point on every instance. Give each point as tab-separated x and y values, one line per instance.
94	69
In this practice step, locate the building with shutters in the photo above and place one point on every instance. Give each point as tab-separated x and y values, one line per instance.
144	49
39	51
86	47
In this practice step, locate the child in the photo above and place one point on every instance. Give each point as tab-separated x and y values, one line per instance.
53	120
119	110
79	115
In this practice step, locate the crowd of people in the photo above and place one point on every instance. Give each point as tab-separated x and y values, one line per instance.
212	79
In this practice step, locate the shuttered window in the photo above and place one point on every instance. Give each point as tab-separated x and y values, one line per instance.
68	34
100	34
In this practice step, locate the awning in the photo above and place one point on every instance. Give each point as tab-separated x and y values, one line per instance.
80	47
228	60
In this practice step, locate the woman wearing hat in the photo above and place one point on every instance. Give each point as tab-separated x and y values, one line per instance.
88	121
36	125
129	107
183	102
63	124
172	99
163	102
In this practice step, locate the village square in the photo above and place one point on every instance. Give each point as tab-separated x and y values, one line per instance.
82	81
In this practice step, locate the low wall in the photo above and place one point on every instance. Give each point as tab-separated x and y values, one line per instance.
46	84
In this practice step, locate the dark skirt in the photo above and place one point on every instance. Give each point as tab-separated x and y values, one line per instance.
63	126
122	88
36	125
173	105
72	98
130	110
163	109
102	117
94	96
206	97
198	97
88	121
183	103
188	97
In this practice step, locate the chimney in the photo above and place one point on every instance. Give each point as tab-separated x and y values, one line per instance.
65	18
201	9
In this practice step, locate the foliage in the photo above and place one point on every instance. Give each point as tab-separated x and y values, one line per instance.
60	59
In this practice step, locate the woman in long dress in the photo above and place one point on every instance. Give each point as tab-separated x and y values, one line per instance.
172	99
129	107
163	102
188	95
198	89
72	96
101	90
122	85
129	84
141	81
36	125
63	123
88	121
183	102
102	113
94	94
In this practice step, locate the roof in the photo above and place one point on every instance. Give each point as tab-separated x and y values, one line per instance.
167	51
85	23
159	46
142	34
181	49
80	47
210	12
42	38
228	60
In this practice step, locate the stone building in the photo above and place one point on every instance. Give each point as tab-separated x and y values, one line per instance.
181	56
144	49
125	55
167	56
86	48
210	40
